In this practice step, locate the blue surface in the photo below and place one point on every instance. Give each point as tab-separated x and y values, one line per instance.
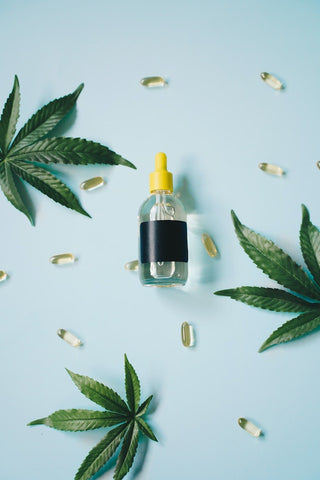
216	120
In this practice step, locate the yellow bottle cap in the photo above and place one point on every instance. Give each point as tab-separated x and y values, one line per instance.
161	179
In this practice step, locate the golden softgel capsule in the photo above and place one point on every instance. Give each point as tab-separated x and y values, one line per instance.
271	80
152	82
92	183
69	337
209	245
3	275
249	427
187	335
62	259
132	266
272	169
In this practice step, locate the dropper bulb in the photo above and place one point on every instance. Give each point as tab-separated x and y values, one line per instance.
160	179
161	161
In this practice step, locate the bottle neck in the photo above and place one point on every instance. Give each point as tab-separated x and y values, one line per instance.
162	192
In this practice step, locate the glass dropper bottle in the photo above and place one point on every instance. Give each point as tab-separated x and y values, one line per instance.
163	252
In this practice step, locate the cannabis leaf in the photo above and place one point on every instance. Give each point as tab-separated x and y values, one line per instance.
132	386
10	116
301	325
17	155
127	417
280	267
310	245
269	299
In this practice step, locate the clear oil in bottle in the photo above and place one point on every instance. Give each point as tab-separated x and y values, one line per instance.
163	252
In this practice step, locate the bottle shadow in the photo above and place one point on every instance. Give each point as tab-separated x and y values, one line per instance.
201	266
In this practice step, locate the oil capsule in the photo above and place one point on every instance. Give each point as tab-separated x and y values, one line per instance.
151	82
187	335
132	266
69	337
92	183
209	245
271	80
62	259
272	169
249	427
318	165
3	275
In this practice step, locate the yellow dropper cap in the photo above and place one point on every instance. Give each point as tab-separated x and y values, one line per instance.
161	179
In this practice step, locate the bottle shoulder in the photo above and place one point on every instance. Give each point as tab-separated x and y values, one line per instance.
162	206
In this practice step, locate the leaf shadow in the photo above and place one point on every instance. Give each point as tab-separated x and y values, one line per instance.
141	454
21	185
64	125
95	437
107	467
141	457
144	442
138	464
298	342
153	405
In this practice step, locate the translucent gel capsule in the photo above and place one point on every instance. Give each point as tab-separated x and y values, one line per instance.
187	335
3	276
318	165
132	266
62	259
272	169
92	183
209	245
249	427
151	82
271	80
69	337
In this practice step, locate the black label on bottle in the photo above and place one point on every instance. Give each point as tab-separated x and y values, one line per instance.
163	241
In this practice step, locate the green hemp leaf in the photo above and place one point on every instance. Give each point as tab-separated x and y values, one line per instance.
280	267
127	417
20	156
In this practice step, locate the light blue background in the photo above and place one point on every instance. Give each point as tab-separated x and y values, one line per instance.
216	121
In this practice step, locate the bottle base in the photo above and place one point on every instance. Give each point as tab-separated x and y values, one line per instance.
163	274
155	283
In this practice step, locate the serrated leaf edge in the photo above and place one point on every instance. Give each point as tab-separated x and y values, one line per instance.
305	231
281	298
242	239
268	344
10	116
73	375
113	445
132	384
127	452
